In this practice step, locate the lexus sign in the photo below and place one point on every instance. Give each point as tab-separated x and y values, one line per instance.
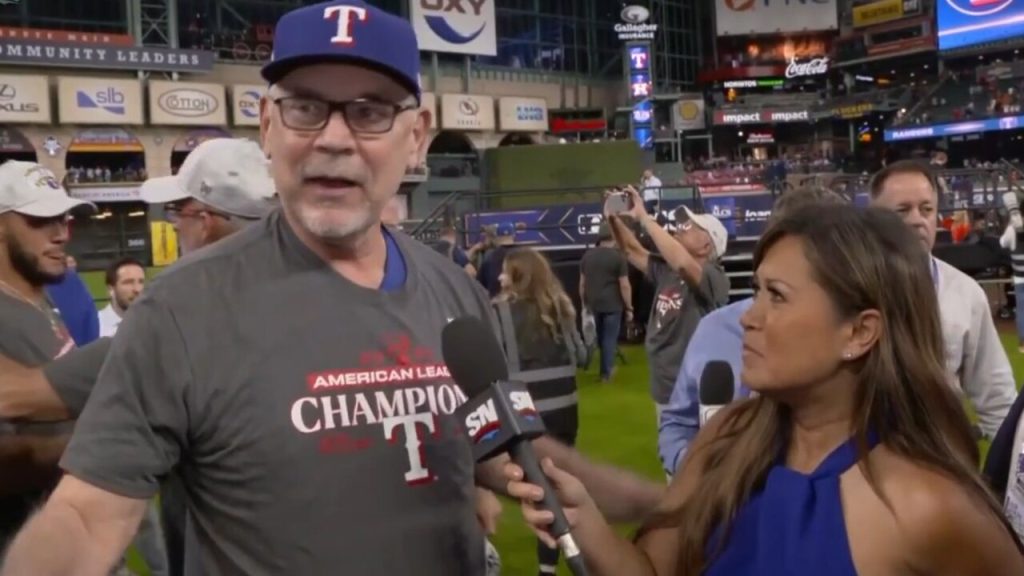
24	99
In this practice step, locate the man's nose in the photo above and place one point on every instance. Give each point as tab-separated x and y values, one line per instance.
336	136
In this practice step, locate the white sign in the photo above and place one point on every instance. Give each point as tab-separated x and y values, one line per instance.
90	100
634	24
24	99
467	112
105	193
457	26
742	17
245	104
186	103
522	114
814	67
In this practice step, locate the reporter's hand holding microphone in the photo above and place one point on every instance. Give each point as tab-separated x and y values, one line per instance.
580	509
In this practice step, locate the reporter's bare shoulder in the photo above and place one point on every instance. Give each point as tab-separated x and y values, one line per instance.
943	526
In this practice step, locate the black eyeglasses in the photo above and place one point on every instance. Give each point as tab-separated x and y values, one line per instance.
363	115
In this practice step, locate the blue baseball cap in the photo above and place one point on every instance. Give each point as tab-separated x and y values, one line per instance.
346	31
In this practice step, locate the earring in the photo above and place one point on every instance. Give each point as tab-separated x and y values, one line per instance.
847	355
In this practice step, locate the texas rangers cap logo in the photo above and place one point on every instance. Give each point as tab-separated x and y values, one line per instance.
346	17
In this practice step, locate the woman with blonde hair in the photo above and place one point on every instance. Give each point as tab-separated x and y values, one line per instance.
856	457
547	344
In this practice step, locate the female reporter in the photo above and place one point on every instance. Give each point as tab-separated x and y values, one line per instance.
855	458
544	329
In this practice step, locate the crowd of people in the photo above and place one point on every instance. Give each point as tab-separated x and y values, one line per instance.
282	387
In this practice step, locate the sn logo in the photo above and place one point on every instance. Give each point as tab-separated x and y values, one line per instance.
522	402
482	421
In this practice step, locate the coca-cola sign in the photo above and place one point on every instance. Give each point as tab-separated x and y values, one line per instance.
813	67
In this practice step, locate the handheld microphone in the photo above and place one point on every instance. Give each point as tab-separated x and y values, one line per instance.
500	415
716	388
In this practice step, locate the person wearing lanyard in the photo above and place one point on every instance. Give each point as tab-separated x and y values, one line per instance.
976	362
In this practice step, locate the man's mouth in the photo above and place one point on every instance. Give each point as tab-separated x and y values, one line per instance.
328	182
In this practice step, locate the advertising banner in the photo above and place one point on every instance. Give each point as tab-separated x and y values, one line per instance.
245	104
688	114
467	112
637	62
522	114
71	36
737	117
186	103
455	26
740	17
955	128
69	54
969	22
577	225
881	11
99	101
24	99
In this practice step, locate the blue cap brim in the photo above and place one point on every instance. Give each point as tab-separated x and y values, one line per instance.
274	72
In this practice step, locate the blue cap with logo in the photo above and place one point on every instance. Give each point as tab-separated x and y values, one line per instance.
346	31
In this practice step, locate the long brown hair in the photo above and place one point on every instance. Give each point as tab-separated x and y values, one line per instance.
863	259
533	281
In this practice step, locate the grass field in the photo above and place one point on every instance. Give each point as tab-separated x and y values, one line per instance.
617	425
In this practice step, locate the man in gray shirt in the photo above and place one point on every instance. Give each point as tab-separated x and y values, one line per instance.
293	371
605	292
689	282
33	234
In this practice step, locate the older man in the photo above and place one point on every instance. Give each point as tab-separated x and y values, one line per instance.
975	358
293	371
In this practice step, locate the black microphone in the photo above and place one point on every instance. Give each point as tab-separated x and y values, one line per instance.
716	388
500	415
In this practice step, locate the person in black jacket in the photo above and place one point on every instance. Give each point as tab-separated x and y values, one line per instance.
544	322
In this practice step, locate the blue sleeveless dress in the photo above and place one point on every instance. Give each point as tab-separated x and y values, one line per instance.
794	527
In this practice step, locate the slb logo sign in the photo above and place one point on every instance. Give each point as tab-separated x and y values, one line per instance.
458	26
186	103
99	100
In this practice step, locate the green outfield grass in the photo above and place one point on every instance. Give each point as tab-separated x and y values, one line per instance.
617	425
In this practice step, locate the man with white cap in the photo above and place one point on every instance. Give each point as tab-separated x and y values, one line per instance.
292	373
689	283
222	185
34	214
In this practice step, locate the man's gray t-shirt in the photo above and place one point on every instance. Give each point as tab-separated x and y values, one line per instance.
29	337
311	417
73	375
601	268
675	313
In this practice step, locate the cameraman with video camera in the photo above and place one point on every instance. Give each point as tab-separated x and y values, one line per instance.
689	281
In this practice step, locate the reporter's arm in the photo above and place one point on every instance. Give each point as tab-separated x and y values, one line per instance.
620	495
81	531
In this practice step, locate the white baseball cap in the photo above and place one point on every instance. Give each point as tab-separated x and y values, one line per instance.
231	175
28	188
714	227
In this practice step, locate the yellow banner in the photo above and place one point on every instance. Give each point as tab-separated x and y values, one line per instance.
165	243
877	12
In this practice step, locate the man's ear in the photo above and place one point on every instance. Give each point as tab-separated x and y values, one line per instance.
266	109
421	138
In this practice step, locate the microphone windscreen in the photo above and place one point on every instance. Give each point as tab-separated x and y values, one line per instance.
472	353
716	383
